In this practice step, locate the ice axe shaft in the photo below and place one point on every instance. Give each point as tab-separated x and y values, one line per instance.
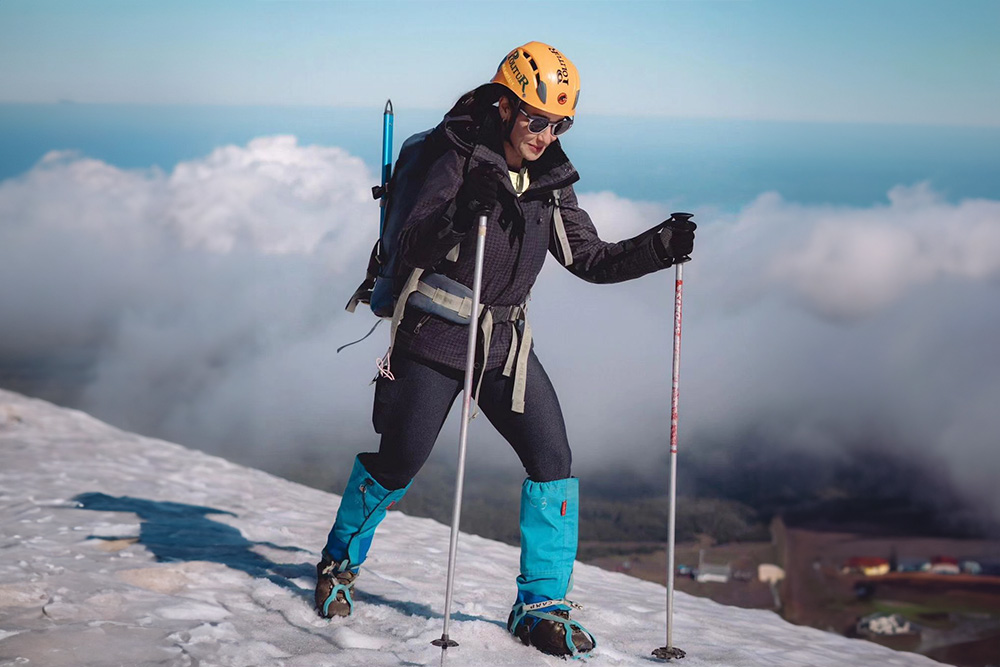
380	192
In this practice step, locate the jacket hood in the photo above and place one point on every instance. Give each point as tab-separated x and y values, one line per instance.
474	127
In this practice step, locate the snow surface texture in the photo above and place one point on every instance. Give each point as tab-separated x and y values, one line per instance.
124	550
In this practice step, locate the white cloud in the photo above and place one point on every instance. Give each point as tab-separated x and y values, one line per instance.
206	294
70	193
855	262
619	218
212	299
271	196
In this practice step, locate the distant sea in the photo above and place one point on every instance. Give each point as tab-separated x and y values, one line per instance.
722	163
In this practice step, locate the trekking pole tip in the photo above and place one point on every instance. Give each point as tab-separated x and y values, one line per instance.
667	653
388	107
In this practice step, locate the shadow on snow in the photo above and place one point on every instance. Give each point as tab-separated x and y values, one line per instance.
180	532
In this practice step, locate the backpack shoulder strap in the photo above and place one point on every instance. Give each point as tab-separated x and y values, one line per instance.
559	228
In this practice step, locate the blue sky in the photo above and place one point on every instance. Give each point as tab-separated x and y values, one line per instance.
886	61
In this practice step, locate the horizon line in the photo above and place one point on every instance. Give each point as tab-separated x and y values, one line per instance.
441	110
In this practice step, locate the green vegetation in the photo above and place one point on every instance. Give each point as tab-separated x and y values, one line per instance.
606	520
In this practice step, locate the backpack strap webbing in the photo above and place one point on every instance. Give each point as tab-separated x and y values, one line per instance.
364	292
517	353
397	314
462	305
520	345
517	357
560	230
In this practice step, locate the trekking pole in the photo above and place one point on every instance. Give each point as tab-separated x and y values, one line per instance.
670	651
445	641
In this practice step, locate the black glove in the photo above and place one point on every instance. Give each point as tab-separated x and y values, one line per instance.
477	196
675	240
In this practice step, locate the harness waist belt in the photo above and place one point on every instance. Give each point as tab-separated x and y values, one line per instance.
452	301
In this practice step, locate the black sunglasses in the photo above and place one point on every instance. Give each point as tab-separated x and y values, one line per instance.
537	124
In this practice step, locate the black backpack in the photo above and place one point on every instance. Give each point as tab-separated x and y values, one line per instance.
382	284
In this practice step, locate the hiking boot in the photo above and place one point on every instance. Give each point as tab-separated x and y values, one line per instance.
333	590
550	636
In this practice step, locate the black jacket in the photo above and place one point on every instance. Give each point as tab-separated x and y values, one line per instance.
519	233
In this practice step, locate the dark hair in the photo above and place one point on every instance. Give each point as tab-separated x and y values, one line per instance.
480	99
480	104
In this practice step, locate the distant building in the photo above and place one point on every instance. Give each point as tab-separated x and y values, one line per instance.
971	567
770	574
714	573
707	572
945	565
870	566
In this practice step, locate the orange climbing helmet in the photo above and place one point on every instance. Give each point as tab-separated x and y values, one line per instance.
541	76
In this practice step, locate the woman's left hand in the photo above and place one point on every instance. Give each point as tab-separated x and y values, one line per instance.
676	238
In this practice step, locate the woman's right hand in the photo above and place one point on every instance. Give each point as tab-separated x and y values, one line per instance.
477	196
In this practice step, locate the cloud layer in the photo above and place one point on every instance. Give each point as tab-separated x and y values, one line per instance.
210	302
206	296
825	329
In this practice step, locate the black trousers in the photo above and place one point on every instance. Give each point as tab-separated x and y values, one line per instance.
410	411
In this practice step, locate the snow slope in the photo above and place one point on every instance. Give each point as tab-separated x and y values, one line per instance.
117	549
